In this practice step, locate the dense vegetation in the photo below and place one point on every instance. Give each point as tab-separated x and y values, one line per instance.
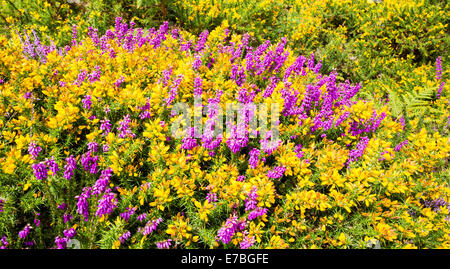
87	153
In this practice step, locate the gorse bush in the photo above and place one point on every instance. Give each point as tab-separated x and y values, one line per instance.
88	151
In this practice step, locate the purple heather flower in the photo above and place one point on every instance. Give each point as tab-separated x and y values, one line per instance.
197	62
189	141
124	237
87	102
119	81
74	35
62	206
356	153
37	222
70	233
439	91
247	242
211	197
105	126
150	226
93	146
105	148
240	178
173	90
81	77
267	143
142	217
202	41
4	242
277	172
124	127
26	230
106	204
61	242
69	167
164	244
67	217
40	170
230	227
52	165
95	75
238	138
254	157
89	162
128	213
103	181
399	146
34	150
197	86
28	95
251	202
258	212
82	202
439	68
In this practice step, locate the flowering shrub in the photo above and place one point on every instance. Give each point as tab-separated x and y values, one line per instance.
88	151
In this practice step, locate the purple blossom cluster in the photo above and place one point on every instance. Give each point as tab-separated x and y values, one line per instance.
105	126
106	204
70	167
95	75
35	48
247	242
33	150
258	212
83	203
150	226
439	77
142	217
269	145
89	162
173	92
251	200
124	127
298	150
61	241
401	145
80	78
198	86
124	237
189	141
238	137
40	170
231	226
434	204
128	213
164	244
276	172
211	197
52	165
102	183
87	102
145	110
4	242
210	138
358	152
26	230
439	68
365	127
254	157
